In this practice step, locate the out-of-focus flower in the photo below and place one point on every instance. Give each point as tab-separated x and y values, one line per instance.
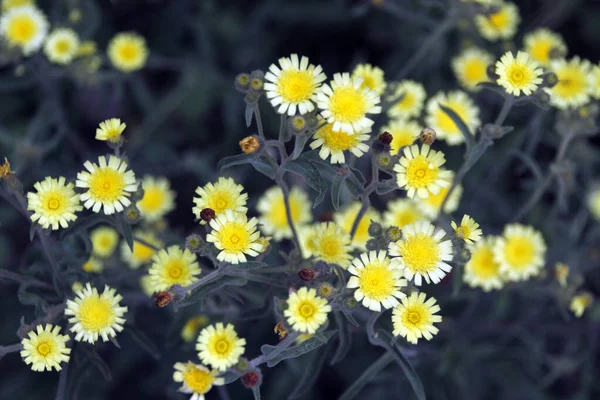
127	51
404	133
431	206
419	173
373	77
414	318
520	251
334	143
573	87
142	253
402	212
543	45
445	128
196	379
345	219
519	74
61	46
190	330
412	97
220	196
219	346
561	273
306	311
8	4
331	244
104	241
482	270
307	235
470	67
158	198
24	27
234	236
45	348
501	24
54	203
593	203
110	130
173	266
93	265
580	302
273	216
468	230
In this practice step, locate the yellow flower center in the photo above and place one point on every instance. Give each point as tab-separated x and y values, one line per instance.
499	20
482	263
295	86
141	251
348	104
175	268
222	346
62	46
571	83
436	200
475	71
220	201
198	380
519	251
277	214
369	81
446	123
519	75
408	101
420	253
337	141
401	138
234	237
153	199
44	349
22	29
463	231
331	247
306	309
540	51
129	52
107	184
414	317
420	172
53	204
377	281
96	313
105	241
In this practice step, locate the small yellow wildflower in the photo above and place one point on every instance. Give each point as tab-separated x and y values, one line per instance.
190	330
402	212
345	219
573	87
104	241
414	318
220	196
468	230
93	265
234	236
404	133
54	203
501	24
419	173
158	198
173	266
24	27
195	379
482	270
372	77
470	67
219	346
520	252
519	74
273	217
110	130
580	302
331	244
445	128
127	52
61	46
542	43
45	348
142	253
412	97
306	311
334	143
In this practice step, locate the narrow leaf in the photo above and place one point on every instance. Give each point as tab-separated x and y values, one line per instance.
344	338
374	369
143	341
306	169
336	190
300	349
126	232
259	162
464	129
212	287
97	361
310	375
250	107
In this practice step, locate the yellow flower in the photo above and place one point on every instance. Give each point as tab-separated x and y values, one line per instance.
223	195
54	203
414	318
294	86
520	74
219	346
376	282
422	253
468	230
573	87
93	265
110	130
95	315
372	77
404	133
334	143
24	27
412	97
520	252
76	286
104	241
307	234
127	51
346	104
195	379
273	217
306	312
345	219
173	266
402	212
561	272
234	236
61	46
331	244
142	253
444	126
593	203
580	302
158	198
108	185
192	326
470	67
45	348
419	173
146	285
501	24
431	206
482	270
541	43
87	48
9	4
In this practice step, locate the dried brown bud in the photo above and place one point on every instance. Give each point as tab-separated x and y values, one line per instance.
427	136
5	169
207	214
252	379
306	274
162	299
250	144
386	137
280	330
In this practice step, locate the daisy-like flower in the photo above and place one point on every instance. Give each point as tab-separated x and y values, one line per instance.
372	77
104	241
195	379
190	330
402	212
422	253
404	133
594	82
573	87
45	348
482	270
219	346
462	105
306	312
345	104
468	230
411	97
146	285
561	273
158	198
593	203
95	315
293	85
419	172
376	282
580	302
173	266
142	253
432	205
273	217
222	195
345	219
61	46
520	252
518	75
24	27
543	45
93	266
108	185
334	143
307	234
470	67
110	130
501	24
8	4
54	203
234	236
413	319
127	51
332	244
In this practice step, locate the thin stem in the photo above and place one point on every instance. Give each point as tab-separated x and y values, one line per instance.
259	124
288	210
145	243
11	348
284	344
51	259
509	101
62	383
282	123
9	275
207	279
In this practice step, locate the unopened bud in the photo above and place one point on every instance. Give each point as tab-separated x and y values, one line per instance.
252	379
5	169
132	215
427	136
194	243
298	124
138	194
306	274
207	214
384	160
550	80
491	72
242	82
326	290
322	270
242	364
351	302
379	147
162	299
257	80
371	245
385	137
250	144
556	53
375	229
393	234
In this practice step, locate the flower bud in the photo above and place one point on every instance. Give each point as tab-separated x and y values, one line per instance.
322	270
385	137
162	299
550	80
384	160
5	169
194	243
379	147
326	290
132	215
242	364
491	72
250	144
306	274
393	234
138	194
427	136
242	82
252	379
297	124
351	302
207	214
257	80
375	229
371	245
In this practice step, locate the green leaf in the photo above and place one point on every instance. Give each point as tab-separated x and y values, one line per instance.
355	182
97	361
386	186
248	265
464	129
306	169
457	278
126	231
368	374
143	341
336	189
258	161
211	287
310	375
344	338
229	377
249	112
300	349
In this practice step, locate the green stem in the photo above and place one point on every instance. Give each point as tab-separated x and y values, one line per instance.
288	209
259	124
371	372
